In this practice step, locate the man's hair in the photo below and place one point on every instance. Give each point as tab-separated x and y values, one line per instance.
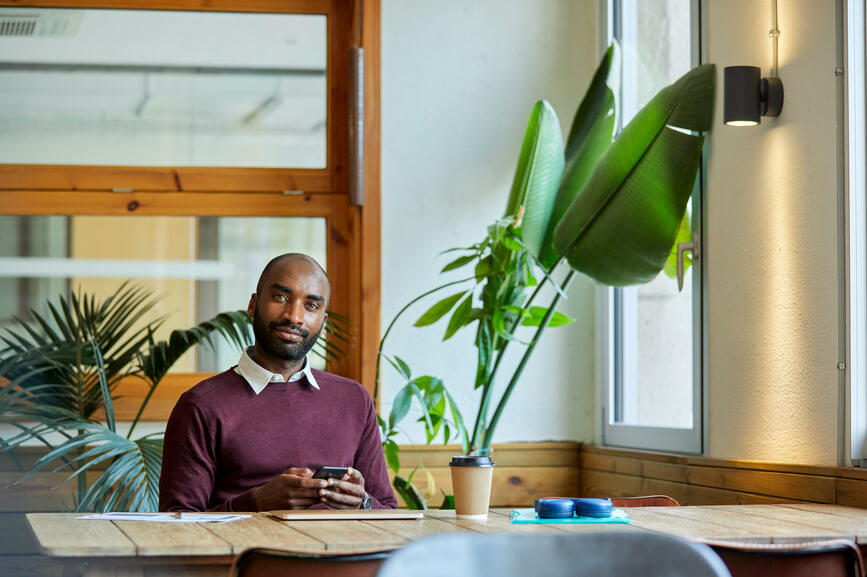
292	256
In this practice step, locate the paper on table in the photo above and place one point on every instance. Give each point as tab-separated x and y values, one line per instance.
164	517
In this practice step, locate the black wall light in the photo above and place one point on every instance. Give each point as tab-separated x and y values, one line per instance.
746	95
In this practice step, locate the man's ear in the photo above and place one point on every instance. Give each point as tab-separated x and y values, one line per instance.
252	306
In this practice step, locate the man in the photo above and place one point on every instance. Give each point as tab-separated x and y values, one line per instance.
250	438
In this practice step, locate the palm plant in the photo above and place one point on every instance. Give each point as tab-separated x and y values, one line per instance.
611	209
58	377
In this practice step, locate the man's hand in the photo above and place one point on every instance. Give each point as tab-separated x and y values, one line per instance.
345	493
293	489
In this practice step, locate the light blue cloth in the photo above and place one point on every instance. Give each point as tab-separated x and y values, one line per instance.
529	516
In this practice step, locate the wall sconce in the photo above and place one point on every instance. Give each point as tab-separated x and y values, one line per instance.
746	95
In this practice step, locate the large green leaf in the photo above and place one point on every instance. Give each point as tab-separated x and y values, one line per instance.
540	167
621	226
409	493
590	136
439	310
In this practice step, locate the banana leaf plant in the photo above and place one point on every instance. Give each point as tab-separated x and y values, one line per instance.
58	379
609	208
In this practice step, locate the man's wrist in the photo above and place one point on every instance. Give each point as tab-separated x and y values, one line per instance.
365	501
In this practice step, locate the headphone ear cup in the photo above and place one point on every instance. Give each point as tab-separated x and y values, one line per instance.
598	508
555	508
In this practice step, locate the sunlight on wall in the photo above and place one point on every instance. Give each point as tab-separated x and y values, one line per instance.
781	409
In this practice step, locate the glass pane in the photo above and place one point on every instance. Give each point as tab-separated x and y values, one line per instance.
198	266
163	88
656	367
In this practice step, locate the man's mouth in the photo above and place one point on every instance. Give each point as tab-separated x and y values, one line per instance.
291	334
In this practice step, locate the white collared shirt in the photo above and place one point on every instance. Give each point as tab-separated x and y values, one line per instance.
258	377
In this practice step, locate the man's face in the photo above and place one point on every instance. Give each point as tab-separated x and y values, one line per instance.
289	313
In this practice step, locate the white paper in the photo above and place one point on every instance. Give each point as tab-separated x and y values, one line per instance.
164	517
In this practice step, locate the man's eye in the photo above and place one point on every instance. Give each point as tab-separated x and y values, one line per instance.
313	306
280	297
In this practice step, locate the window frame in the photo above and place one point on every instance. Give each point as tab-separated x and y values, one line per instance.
852	176
353	232
609	312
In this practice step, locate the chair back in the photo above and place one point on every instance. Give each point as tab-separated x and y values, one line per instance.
828	558
554	555
260	562
646	501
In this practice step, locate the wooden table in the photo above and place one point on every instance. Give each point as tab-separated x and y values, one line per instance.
104	548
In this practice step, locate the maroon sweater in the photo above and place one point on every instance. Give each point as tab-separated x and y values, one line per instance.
222	440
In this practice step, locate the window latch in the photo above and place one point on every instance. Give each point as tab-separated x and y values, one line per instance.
682	247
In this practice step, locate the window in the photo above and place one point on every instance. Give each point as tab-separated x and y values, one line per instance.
187	157
653	332
216	89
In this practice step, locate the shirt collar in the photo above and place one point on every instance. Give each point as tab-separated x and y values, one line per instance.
258	377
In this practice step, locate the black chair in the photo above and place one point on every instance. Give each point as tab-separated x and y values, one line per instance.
260	562
825	558
646	501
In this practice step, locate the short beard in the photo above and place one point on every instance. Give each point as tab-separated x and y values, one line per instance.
278	348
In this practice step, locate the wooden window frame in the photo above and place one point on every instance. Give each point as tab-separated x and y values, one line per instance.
353	232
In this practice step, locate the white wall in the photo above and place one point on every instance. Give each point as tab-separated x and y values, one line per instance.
459	79
772	243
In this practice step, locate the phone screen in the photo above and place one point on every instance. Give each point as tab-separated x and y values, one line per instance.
330	473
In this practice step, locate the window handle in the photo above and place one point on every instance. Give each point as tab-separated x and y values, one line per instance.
682	247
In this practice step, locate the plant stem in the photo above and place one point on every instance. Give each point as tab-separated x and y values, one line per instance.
81	479
487	388
394	320
489	432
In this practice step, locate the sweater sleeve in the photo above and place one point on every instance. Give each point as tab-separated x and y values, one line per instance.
189	460
370	460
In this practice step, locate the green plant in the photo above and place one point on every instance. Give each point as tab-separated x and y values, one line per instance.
58	377
611	209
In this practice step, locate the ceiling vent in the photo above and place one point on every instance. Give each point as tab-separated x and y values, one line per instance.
45	23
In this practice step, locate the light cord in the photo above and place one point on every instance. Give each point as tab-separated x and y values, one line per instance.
774	34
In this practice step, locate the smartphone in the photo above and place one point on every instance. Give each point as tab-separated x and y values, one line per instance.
330	472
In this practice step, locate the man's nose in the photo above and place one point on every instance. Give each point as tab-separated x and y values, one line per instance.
294	313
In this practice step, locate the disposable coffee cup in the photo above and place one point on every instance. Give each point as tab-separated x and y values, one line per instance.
471	482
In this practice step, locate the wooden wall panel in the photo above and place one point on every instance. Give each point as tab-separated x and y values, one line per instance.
512	486
813	488
523	473
131	391
852	492
611	472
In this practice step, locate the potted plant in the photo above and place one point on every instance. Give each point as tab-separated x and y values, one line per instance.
58	377
609	208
